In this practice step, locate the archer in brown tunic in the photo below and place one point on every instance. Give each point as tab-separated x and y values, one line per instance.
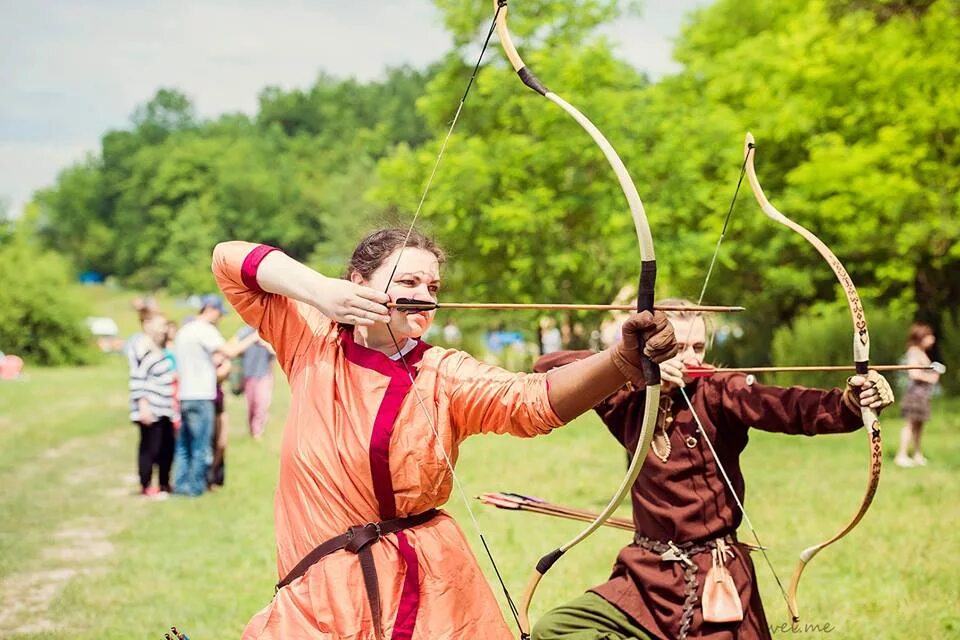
681	504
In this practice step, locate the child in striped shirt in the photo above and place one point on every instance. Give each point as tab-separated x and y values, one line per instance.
153	403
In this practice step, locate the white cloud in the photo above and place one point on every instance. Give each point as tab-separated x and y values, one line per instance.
28	166
646	41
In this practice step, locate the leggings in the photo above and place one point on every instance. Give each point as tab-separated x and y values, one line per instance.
156	448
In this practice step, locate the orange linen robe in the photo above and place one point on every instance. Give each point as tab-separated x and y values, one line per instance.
339	391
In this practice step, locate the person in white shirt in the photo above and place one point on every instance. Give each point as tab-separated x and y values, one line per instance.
198	347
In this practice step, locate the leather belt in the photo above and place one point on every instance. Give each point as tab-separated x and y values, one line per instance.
358	540
682	552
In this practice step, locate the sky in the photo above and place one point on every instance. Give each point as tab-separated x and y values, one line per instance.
70	71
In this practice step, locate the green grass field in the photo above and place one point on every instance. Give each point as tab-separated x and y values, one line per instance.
81	556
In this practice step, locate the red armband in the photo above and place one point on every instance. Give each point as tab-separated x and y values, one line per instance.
248	270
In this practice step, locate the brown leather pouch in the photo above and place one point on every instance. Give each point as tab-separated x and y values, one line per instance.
720	601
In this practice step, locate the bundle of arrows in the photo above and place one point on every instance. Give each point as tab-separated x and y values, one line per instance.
519	502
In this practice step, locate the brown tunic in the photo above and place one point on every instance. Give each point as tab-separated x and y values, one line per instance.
685	499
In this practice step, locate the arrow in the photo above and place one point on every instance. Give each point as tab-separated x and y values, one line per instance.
518	502
410	304
705	371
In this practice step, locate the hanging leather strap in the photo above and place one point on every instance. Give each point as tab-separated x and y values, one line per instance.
358	540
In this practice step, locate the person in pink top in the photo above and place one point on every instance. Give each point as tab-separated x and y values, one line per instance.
363	552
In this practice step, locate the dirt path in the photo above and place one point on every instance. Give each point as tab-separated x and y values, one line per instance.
88	484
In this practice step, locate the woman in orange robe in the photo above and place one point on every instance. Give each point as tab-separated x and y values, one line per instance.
370	433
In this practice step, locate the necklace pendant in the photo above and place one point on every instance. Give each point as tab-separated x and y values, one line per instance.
660	445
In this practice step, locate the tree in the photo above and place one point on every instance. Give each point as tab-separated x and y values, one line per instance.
854	111
41	310
853	108
6	222
524	199
853	105
151	205
167	112
73	222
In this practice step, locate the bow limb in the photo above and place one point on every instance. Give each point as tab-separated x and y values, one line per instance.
648	270
861	358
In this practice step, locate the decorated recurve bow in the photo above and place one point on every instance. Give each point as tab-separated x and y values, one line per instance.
861	359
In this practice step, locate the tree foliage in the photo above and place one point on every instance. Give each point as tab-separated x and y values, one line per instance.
856	117
523	199
856	120
149	207
854	106
41	311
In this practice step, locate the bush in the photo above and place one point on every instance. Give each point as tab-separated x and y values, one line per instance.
949	348
826	338
41	311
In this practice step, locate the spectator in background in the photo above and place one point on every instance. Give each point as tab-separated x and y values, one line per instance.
258	362
152	403
915	407
451	333
217	473
550	338
197	345
145	308
170	338
579	338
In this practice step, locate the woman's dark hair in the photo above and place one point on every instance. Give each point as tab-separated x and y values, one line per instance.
918	331
376	247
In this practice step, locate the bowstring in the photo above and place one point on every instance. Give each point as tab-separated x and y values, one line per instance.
696	417
446	139
423	196
723	232
736	498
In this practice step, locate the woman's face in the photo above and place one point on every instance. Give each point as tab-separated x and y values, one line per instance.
928	341
417	276
156	329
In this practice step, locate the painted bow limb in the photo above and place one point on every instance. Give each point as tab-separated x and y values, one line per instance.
645	298
861	358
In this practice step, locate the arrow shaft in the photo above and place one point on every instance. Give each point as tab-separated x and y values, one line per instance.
515	503
428	306
614	523
808	368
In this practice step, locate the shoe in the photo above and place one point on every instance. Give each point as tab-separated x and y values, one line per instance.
919	459
904	461
154	493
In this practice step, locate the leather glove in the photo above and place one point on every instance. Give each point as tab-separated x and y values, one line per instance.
644	334
871	390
